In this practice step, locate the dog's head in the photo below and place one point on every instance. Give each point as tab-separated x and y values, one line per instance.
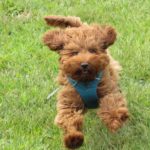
82	47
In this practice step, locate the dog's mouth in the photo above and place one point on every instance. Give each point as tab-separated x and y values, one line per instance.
82	71
85	71
84	74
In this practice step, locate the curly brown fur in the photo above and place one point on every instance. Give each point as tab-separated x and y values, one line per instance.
78	44
63	21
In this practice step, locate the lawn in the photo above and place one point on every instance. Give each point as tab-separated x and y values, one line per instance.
28	71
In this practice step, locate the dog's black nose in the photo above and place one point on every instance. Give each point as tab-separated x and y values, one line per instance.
84	65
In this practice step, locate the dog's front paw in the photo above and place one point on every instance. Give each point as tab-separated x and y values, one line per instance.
74	140
115	119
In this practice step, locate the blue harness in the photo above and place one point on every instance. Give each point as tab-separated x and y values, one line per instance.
87	90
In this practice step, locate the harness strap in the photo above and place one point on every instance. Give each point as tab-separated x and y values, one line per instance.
87	90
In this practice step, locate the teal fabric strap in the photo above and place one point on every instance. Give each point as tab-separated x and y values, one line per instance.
87	90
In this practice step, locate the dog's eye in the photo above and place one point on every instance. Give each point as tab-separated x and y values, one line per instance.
74	53
91	50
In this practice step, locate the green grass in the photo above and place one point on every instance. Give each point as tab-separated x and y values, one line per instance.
28	71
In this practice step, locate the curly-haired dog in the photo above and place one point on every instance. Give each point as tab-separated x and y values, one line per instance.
88	74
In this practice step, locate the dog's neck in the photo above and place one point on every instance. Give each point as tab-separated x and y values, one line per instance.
87	90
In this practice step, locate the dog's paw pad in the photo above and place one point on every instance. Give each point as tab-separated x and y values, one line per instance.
74	140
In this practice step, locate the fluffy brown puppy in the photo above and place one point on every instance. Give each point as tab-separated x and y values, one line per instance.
83	55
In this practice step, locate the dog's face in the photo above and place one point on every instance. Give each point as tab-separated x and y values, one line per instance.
82	49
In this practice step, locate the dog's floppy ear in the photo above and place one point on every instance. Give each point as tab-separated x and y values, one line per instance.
54	39
109	36
63	22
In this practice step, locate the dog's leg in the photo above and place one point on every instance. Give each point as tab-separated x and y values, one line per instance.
113	111
70	119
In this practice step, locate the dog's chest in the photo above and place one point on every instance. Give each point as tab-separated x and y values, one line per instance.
88	91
